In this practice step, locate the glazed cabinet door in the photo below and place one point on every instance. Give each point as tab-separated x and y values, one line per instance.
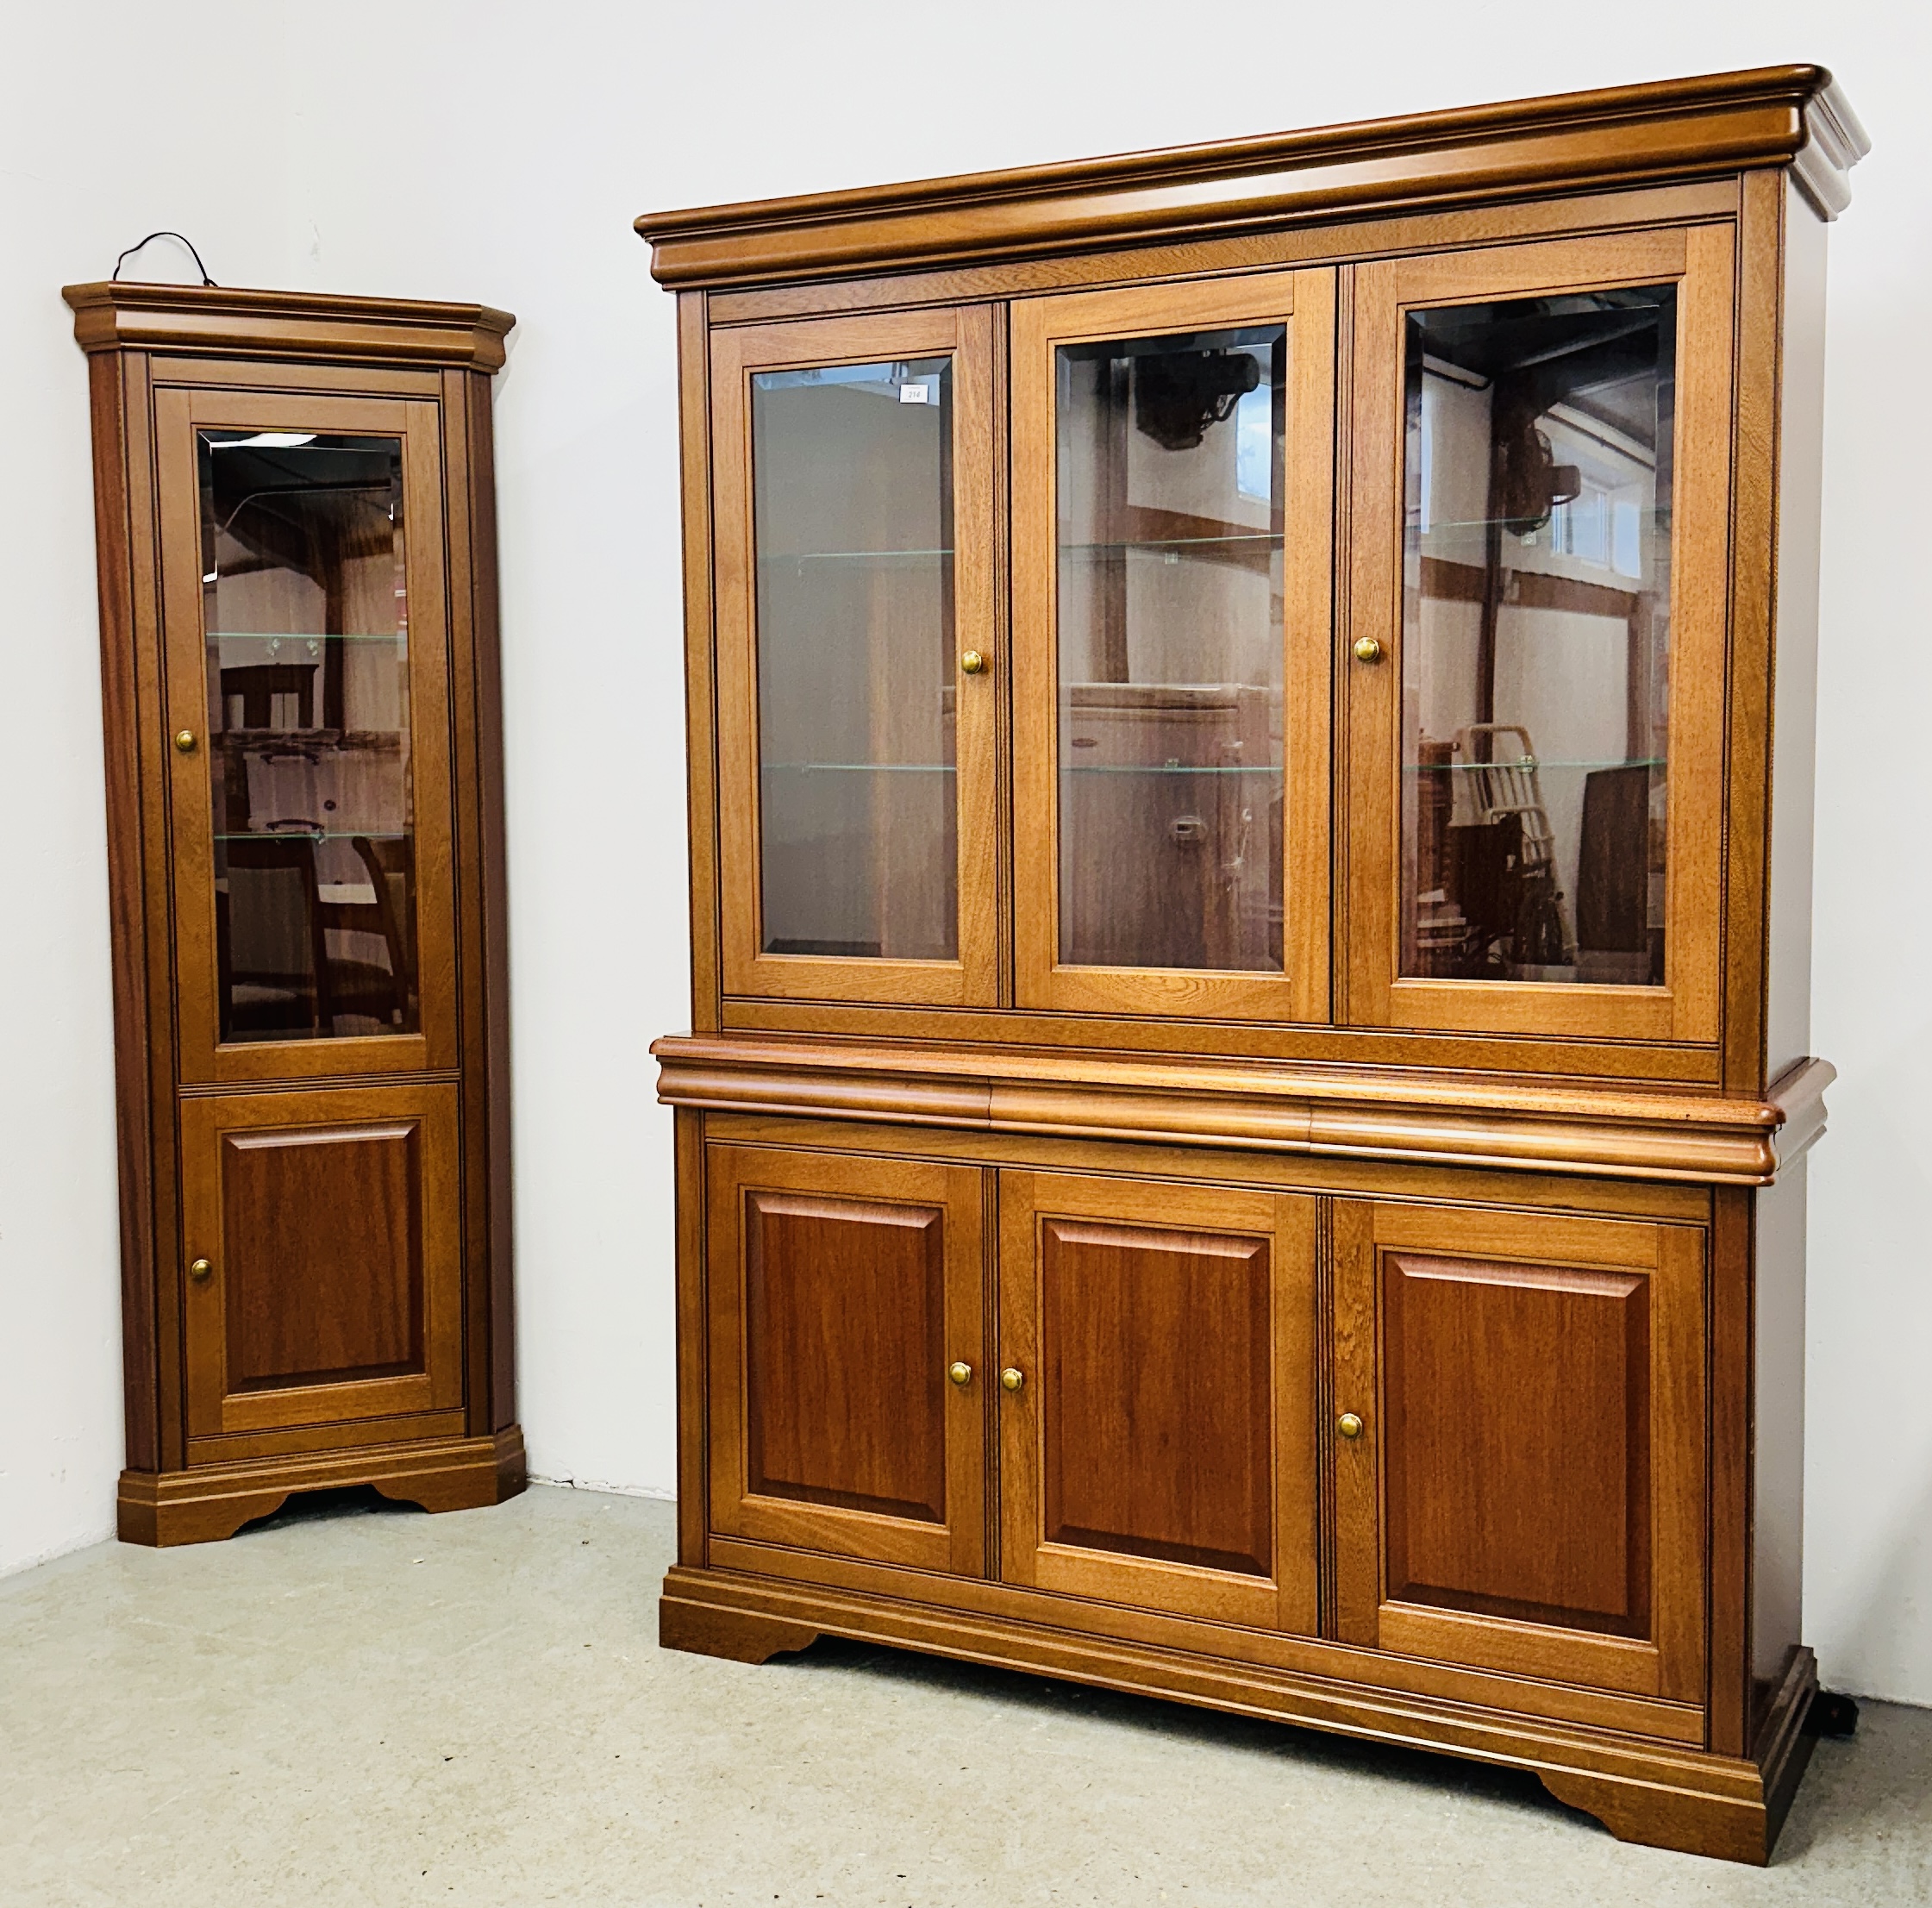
322	1263
852	499
308	751
1156	1403
1172	451
846	1314
1535	658
1518	1451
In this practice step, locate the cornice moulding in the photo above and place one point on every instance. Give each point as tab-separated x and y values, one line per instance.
1792	116
219	321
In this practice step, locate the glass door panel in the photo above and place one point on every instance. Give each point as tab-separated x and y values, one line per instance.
305	620
856	703
1171	502
1536	665
1169	475
1535	650
852	477
306	629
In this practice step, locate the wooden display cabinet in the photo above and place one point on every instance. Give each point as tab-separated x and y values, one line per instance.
1243	1132
295	519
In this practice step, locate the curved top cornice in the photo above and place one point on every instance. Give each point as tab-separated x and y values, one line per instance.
1677	128
285	324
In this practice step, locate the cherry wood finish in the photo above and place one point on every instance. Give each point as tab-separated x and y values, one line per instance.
1303	303
1528	1491
1160	1448
735	357
1699	262
1413	1358
178	414
350	1196
1328	1112
841	1294
332	1221
1776	116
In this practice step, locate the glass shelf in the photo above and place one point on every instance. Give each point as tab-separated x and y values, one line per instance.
857	768
798	558
1066	768
1070	767
1535	763
1270	539
316	835
307	635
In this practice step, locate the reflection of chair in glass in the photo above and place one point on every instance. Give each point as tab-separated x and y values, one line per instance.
273	962
392	866
257	684
1614	940
1503	791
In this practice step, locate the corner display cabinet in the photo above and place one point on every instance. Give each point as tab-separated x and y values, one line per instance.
1244	1133
295	520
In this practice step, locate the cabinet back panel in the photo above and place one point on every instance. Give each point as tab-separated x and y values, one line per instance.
1158	1393
844	1328
322	1243
1517	1402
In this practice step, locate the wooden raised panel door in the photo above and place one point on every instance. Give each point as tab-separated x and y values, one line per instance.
308	704
1172	480
1159	1448
843	1293
1526	1491
859	668
322	1262
1535	656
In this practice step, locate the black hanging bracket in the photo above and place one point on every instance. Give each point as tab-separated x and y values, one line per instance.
149	239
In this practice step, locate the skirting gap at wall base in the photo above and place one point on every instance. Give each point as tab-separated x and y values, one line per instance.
658	1494
212	1501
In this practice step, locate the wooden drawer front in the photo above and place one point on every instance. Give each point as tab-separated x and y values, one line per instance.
1532	1388
1157	1451
841	1290
331	1226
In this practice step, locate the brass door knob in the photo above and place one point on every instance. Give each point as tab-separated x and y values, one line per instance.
184	740
1011	1379
200	1269
959	1373
973	663
1367	649
1349	1424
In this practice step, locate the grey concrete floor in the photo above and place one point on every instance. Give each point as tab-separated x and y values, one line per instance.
354	1703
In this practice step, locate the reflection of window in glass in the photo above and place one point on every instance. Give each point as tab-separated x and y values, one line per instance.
1536	638
852	469
305	615
1254	444
1169	503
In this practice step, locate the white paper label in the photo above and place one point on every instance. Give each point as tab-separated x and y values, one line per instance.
914	394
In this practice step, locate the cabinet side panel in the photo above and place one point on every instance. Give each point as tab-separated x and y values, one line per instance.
1801	459
693	1399
1777	1484
700	682
126	910
485	662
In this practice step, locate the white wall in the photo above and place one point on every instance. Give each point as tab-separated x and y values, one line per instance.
497	151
